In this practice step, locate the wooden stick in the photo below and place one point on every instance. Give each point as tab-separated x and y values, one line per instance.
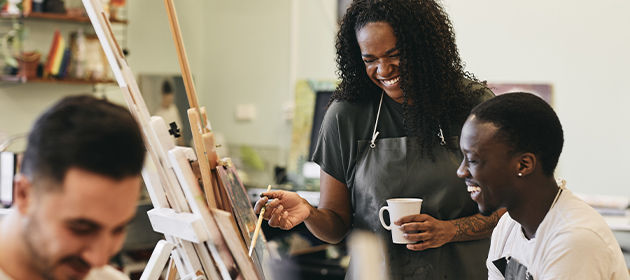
202	158
258	226
181	54
203	137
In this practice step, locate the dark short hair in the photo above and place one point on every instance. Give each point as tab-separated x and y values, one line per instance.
166	87
87	133
526	123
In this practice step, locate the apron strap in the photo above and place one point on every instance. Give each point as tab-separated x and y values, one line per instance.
375	133
441	136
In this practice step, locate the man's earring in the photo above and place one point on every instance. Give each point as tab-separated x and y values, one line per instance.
520	174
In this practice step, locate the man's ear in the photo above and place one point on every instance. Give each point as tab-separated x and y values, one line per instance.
526	164
22	195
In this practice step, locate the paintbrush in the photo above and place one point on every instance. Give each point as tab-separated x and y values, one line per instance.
258	226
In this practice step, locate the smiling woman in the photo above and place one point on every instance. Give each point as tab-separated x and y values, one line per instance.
390	131
381	57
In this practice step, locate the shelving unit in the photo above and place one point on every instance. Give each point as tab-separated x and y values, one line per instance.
70	81
57	17
118	24
17	79
63	17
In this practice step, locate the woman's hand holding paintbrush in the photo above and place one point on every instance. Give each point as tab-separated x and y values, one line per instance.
257	229
284	209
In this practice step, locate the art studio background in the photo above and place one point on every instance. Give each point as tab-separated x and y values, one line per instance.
258	66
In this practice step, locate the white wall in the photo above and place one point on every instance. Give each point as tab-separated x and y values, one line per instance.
21	104
150	40
316	30
247	60
582	48
240	53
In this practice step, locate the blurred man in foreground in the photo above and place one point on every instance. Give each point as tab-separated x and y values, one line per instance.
77	191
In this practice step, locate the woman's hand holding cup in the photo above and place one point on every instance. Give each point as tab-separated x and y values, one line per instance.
426	231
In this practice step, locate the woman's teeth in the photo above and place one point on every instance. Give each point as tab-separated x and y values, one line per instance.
474	189
391	81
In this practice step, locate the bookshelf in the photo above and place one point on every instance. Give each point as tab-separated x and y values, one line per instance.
22	80
57	17
64	17
36	19
70	81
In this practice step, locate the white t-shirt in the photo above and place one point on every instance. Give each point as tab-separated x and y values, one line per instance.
104	273
572	242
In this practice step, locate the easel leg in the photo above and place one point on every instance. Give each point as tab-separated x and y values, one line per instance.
158	260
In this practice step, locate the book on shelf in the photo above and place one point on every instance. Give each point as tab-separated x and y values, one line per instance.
58	57
51	53
65	61
81	58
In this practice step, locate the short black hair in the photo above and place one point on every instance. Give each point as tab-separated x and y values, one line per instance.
527	123
166	87
87	133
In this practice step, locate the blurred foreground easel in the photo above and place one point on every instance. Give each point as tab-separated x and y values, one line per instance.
207	226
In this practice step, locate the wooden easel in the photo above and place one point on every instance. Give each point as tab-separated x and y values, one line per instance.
200	241
221	176
203	137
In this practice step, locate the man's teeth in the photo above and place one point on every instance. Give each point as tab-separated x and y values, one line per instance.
390	82
474	189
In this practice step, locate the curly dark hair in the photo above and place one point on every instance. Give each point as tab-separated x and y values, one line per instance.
431	71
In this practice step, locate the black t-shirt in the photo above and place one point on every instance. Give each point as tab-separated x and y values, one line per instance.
346	123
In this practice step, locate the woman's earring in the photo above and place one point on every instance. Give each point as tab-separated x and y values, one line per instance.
520	174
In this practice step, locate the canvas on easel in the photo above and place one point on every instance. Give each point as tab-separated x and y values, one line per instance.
242	211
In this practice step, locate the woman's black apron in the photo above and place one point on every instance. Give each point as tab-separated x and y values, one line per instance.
394	167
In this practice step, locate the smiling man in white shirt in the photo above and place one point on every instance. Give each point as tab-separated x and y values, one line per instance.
511	145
